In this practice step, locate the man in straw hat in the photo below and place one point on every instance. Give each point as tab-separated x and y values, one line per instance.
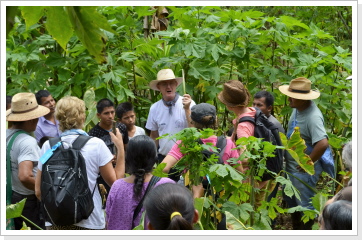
307	116
24	155
169	115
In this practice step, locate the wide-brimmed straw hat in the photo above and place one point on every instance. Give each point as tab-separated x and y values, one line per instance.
299	88
24	107
234	94
164	75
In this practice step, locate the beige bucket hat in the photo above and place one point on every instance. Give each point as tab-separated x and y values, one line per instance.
299	88
24	107
164	75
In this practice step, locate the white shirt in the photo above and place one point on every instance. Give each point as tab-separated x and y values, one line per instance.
96	154
139	131
160	120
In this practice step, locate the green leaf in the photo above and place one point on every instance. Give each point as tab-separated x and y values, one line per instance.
32	14
143	11
158	170
290	22
89	98
58	25
87	24
15	210
221	170
232	223
55	60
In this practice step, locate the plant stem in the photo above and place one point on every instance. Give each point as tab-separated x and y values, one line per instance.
31	222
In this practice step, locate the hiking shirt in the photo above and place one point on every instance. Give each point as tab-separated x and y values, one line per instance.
159	119
25	148
311	124
245	129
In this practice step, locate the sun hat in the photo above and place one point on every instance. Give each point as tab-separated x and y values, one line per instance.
299	88
234	94
201	110
164	75
24	107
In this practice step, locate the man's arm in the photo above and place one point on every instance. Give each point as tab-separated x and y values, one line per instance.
37	185
154	135
186	101
26	175
318	150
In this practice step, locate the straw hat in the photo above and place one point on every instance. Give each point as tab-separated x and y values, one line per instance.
234	94
24	107
164	75
299	88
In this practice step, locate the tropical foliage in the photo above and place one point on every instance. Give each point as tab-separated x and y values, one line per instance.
111	51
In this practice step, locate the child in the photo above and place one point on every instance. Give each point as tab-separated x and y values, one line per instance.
126	193
170	207
126	115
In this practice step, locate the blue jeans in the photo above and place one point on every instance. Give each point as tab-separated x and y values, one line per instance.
304	192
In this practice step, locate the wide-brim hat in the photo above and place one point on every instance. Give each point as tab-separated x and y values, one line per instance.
24	107
234	94
299	88
164	75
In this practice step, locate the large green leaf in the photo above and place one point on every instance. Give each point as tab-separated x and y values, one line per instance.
296	147
232	223
58	25
15	210
87	24
32	14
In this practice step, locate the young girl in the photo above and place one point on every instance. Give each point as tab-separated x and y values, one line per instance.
170	207
126	193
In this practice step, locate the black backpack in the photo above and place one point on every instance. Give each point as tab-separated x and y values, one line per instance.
220	146
65	194
269	132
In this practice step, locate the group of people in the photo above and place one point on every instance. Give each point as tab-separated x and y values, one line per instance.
121	156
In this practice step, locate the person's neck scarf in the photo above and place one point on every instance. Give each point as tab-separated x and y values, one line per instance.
169	104
74	132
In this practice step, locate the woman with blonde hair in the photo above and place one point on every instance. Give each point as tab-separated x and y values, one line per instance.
70	112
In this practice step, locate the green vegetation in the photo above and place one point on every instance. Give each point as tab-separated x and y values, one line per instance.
97	52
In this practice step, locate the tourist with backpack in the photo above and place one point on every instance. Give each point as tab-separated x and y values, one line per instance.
251	121
68	170
124	206
203	116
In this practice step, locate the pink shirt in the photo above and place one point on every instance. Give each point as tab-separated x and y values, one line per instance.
245	129
228	152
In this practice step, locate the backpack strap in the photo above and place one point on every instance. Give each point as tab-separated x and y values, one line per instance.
80	142
247	119
152	182
220	145
9	146
53	141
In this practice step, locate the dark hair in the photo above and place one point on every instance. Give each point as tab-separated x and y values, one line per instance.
166	199
122	108
141	156
338	215
103	103
43	140
269	99
8	102
40	94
